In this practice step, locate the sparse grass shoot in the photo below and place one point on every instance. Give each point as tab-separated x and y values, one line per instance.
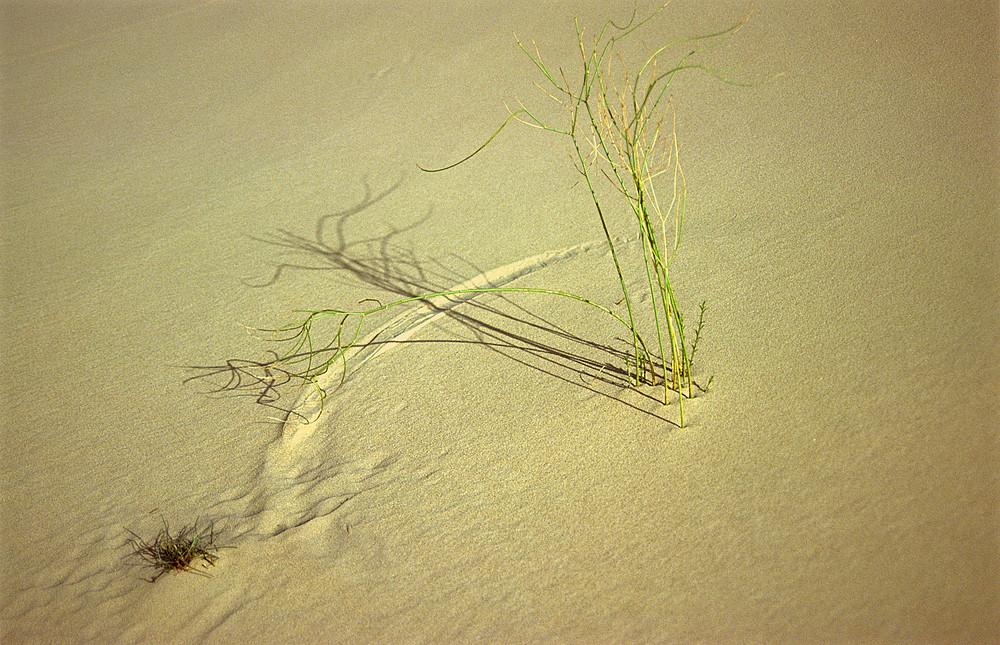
620	125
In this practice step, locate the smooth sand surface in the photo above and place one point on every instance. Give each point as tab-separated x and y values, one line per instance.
177	171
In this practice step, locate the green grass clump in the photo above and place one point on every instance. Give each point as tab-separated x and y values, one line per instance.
620	126
181	551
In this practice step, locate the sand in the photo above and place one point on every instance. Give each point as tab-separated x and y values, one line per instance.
178	172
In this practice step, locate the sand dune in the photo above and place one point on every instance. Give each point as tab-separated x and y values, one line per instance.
178	173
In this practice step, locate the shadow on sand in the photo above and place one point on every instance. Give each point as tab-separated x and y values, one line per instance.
396	272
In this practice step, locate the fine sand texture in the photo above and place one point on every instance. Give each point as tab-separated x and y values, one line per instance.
177	174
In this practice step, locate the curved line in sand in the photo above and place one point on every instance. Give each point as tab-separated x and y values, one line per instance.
310	404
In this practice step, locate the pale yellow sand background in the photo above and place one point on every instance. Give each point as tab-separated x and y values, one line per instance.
487	481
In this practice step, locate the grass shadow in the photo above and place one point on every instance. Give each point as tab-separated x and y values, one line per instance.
383	262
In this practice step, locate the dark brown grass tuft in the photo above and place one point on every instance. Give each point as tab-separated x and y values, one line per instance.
182	551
